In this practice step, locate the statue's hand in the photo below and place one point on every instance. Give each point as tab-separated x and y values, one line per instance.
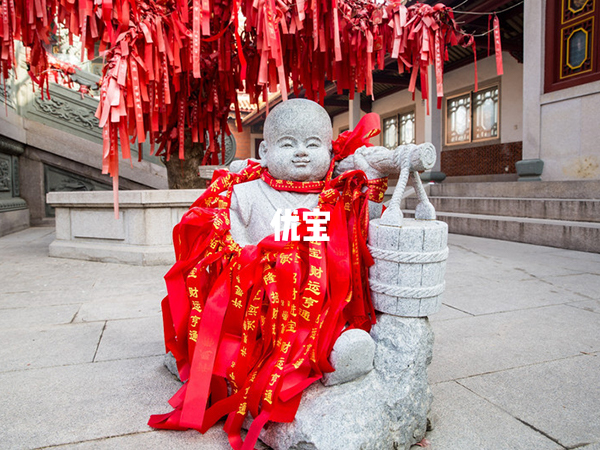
380	159
375	162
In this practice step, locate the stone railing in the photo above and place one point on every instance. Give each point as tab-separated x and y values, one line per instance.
86	227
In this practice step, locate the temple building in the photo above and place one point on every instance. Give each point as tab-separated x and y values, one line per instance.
538	121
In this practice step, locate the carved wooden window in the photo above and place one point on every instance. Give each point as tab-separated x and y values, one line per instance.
458	119
406	128
399	129
390	132
572	43
472	116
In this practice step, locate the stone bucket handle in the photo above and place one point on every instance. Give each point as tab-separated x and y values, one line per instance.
411	159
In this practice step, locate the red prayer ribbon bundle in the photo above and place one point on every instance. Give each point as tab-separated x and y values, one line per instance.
262	320
175	65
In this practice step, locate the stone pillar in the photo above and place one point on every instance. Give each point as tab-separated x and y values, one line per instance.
433	121
533	76
354	112
34	191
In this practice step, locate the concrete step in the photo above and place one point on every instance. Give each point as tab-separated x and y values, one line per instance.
537	208
532	189
582	236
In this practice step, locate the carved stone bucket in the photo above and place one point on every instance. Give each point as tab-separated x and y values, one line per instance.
413	258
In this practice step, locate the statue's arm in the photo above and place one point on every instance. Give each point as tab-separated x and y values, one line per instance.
375	162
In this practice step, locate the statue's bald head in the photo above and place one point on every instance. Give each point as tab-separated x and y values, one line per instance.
297	113
297	143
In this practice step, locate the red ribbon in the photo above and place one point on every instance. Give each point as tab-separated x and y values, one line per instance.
350	141
498	46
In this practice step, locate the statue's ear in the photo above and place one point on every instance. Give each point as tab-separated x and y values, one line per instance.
262	153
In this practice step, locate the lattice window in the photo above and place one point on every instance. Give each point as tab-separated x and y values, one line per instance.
572	43
485	114
390	132
407	128
472	116
571	9
458	119
577	48
399	130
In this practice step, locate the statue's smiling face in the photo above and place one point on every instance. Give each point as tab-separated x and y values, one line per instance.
297	144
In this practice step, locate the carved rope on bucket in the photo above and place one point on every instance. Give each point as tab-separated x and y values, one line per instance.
407	292
408	257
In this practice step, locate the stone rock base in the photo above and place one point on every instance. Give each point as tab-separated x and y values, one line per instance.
13	221
386	409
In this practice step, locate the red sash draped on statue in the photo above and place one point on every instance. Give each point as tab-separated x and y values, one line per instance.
262	320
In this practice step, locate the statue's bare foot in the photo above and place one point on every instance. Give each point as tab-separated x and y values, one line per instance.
351	357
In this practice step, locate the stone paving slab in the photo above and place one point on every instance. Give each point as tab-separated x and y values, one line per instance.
590	447
572	260
43	297
114	308
585	284
46	346
31	316
498	296
213	439
22	238
81	402
40	281
448	313
481	344
560	398
131	338
465	421
521	255
588	305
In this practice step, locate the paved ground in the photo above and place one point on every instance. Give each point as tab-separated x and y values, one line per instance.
516	361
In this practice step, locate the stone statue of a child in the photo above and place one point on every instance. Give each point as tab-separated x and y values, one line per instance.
297	146
364	403
378	396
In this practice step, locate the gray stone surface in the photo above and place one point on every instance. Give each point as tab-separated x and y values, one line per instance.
81	402
589	305
562	397
581	236
468	421
543	208
213	439
352	356
131	338
43	315
346	416
33	415
111	307
12	221
595	446
496	296
511	339
43	346
448	313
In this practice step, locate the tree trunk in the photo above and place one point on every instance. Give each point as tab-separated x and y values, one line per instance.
184	174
